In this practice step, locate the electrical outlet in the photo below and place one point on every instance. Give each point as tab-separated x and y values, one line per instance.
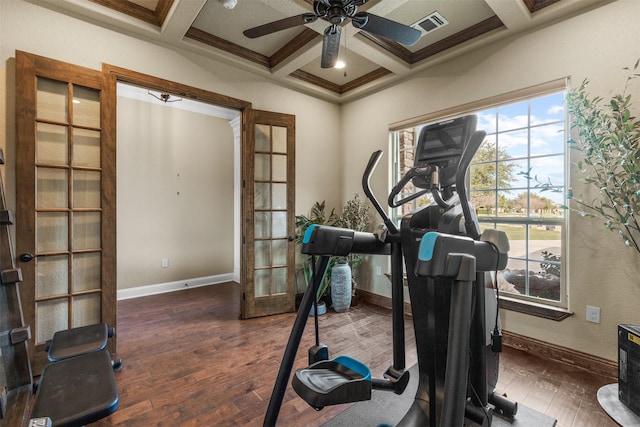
378	270
593	314
164	263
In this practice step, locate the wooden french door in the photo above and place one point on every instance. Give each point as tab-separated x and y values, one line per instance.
268	273
65	193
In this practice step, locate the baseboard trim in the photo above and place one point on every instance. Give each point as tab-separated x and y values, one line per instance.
594	364
178	285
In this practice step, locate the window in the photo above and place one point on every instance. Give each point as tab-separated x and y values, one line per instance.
516	183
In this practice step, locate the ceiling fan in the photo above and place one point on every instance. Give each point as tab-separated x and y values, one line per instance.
335	12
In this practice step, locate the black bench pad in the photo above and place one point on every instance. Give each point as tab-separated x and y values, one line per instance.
77	391
76	341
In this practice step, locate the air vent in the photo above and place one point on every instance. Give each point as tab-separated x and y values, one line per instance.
430	23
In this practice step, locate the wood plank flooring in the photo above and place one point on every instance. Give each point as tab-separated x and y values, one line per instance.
189	361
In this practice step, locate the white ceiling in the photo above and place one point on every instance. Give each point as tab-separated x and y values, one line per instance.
292	57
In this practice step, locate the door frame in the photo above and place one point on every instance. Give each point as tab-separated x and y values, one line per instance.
115	74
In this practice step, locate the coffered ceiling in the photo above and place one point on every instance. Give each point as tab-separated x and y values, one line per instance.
292	56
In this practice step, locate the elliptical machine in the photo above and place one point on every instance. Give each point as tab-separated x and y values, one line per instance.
446	259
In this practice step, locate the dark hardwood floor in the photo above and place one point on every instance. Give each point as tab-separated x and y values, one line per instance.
189	361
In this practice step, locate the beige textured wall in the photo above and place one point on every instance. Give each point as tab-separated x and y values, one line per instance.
597	45
175	194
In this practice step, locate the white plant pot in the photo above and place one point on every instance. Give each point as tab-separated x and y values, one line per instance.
341	287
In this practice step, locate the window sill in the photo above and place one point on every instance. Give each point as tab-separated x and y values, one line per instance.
534	309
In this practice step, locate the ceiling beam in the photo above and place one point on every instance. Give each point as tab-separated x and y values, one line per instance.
179	19
514	14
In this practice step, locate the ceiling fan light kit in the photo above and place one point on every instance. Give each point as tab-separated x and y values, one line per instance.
229	4
335	12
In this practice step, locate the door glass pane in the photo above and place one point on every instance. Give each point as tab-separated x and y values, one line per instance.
279	224
86	230
263	253
262	167
263	142
52	276
279	172
279	139
279	276
86	106
86	271
51	317
279	196
262	283
52	188
86	310
279	249
51	144
262	195
52	232
51	101
271	247
86	189
86	148
262	225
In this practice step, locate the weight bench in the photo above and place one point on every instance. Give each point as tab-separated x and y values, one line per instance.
78	341
76	391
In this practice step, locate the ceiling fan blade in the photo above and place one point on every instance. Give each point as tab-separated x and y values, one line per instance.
282	24
385	27
330	46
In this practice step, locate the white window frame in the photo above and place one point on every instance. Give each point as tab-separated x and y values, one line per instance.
554	87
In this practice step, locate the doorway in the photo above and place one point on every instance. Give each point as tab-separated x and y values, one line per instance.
178	192
267	170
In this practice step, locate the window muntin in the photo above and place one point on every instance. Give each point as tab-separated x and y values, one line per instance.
516	184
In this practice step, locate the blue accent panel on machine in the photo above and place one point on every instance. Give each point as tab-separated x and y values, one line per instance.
428	243
308	233
355	366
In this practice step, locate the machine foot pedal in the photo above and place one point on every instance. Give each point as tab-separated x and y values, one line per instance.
332	382
503	406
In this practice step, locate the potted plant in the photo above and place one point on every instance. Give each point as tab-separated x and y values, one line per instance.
317	216
608	137
355	215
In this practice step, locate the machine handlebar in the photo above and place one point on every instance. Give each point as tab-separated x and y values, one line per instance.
373	162
400	185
